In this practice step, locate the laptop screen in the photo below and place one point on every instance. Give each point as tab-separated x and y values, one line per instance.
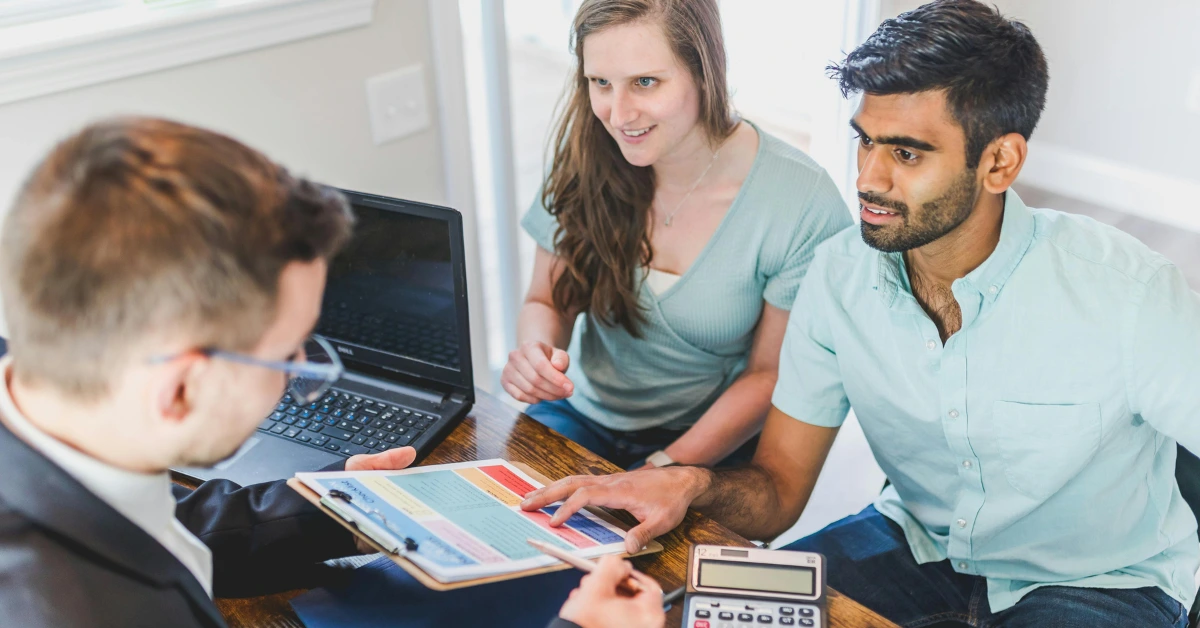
394	293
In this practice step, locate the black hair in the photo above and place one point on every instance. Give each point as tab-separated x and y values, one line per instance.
992	69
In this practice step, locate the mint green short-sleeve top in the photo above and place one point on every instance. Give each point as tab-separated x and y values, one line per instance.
697	335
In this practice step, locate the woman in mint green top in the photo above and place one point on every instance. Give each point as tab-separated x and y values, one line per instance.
679	232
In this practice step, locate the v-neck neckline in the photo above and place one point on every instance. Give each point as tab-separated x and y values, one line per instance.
708	246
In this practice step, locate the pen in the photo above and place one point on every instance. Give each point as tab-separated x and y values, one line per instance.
673	596
582	564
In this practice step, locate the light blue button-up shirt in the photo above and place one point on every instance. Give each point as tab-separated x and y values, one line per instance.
1037	447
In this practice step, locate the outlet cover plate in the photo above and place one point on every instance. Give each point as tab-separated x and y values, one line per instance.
397	104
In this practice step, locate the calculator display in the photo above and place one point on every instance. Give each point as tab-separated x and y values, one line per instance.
757	577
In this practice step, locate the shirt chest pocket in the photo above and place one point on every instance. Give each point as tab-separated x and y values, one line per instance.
1042	447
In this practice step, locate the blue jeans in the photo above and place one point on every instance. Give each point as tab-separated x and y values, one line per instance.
869	561
627	450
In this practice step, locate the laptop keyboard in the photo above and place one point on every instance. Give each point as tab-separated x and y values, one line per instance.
347	424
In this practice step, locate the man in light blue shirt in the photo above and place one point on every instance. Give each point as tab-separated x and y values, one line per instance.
1022	375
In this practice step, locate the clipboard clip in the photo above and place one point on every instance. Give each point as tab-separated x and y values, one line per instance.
334	494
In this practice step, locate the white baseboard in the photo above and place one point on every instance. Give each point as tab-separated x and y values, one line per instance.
1114	185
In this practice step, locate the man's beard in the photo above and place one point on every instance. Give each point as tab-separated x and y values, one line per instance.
936	218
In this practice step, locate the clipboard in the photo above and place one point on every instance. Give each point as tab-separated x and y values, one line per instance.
431	583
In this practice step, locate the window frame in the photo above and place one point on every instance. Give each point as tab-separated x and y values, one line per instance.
88	47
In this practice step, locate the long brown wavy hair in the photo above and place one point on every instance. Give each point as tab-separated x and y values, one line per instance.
602	201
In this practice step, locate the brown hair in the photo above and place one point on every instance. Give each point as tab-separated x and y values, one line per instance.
135	228
601	201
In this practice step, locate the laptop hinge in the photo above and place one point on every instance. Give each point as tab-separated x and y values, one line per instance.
394	386
452	397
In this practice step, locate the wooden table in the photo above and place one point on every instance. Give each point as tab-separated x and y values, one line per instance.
494	430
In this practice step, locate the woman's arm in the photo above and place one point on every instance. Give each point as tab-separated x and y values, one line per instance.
535	369
740	411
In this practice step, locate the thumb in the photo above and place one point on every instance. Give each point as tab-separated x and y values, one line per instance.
389	460
610	572
638	537
560	360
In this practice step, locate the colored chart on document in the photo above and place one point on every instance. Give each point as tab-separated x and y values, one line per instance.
465	517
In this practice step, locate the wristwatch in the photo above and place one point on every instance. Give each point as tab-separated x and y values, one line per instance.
660	459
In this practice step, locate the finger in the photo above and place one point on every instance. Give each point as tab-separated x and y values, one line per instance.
386	461
647	583
609	573
553	375
594	495
517	393
639	536
558	491
518	379
545	388
561	360
363	547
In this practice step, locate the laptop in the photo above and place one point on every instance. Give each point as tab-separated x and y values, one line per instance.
395	310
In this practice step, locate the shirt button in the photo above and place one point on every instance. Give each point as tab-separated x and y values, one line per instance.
962	523
966	464
931	345
962	566
993	290
954	414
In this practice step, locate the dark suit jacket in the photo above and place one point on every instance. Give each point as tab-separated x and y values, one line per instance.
68	559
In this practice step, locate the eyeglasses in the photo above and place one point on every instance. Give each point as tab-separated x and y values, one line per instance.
311	371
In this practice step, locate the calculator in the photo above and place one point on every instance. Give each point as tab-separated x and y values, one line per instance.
738	587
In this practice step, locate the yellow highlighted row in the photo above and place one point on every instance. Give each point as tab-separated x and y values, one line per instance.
398	497
489	486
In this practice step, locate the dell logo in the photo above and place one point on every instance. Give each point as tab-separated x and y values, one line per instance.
345	350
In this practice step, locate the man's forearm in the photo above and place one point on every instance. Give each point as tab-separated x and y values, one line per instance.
745	500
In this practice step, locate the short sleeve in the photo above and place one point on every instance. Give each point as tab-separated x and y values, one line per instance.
539	224
1165	352
821	217
809	387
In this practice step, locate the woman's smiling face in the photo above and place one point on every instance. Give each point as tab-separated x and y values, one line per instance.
639	90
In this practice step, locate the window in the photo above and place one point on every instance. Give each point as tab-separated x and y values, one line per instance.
17	12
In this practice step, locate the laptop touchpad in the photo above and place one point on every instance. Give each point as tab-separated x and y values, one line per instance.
247	446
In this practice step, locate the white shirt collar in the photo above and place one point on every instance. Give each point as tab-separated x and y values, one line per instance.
144	499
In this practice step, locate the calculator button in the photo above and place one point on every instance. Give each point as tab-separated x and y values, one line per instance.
702	614
765	619
787	621
806	612
745	617
786	610
700	623
726	615
806	622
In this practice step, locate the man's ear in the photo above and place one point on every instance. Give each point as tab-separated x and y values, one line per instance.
173	383
1002	161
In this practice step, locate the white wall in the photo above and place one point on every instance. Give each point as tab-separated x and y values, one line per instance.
301	103
1116	130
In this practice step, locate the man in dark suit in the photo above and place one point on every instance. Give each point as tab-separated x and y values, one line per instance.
160	283
137	251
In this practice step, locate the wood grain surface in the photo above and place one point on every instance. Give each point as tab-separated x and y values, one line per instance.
494	430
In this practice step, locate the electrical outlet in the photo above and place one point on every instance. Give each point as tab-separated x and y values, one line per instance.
397	104
1193	99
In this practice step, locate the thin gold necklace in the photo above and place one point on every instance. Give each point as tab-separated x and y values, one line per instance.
671	216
